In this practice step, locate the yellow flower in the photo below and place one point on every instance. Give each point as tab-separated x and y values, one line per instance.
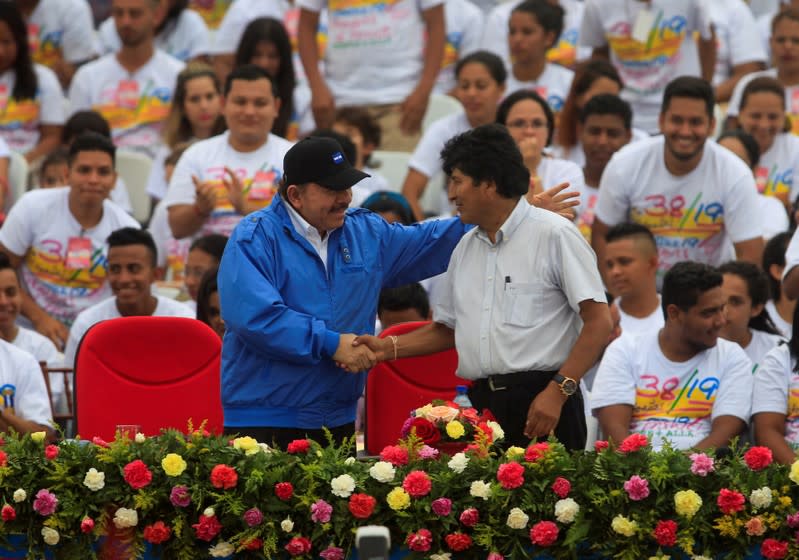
38	437
398	499
455	429
514	452
624	526
728	526
173	464
785	502
247	444
795	472
687	503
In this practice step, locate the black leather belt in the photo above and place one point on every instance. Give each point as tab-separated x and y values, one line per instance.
503	381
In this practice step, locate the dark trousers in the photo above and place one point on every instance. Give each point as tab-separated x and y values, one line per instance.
281	437
510	399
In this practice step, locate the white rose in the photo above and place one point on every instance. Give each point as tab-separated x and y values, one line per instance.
517	519
441	556
20	495
209	512
496	430
480	489
566	510
349	461
140	437
265	448
287	525
50	536
125	517
382	471
222	550
458	462
343	486
761	498
94	480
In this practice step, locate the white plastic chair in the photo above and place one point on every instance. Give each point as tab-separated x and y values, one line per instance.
391	165
720	114
17	177
440	106
135	171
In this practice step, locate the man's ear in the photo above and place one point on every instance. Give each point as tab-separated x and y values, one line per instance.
672	311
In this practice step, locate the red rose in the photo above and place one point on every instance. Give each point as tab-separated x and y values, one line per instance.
137	475
395	455
419	541
3	459
51	452
730	501
665	533
284	490
99	442
207	528
223	476
758	458
600	445
773	549
470	415
458	542
298	446
417	484
510	475
633	442
425	430
536	452
254	544
469	517
544	533
362	505
561	487
87	525
8	513
157	533
298	546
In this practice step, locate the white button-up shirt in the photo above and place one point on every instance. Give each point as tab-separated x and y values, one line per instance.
309	233
514	304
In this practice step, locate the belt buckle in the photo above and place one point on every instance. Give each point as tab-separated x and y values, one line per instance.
493	387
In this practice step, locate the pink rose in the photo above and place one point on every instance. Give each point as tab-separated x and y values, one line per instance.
701	464
441	414
442	506
637	488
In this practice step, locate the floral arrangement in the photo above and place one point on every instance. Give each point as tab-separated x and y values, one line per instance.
197	495
447	422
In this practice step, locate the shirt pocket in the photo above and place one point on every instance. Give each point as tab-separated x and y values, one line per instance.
523	304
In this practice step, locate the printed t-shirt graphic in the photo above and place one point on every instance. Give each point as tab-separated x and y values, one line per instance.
20	119
212	11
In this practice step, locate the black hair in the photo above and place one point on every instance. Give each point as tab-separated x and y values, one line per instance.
629	229
608	104
5	262
84	121
172	15
584	77
388	201
126	236
489	60
685	282
92	142
520	95
27	83
213	244
410	296
766	84
250	73
747	141
758	290
366	124
271	30
774	254
208	286
691	87
549	16
59	156
488	153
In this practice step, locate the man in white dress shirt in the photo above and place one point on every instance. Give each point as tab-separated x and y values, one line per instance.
524	307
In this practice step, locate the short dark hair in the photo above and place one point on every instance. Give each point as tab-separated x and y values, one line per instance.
691	87
410	296
747	141
765	84
213	244
550	16
59	156
629	229
757	289
685	282
361	119
489	60
92	142
388	201
126	236
608	104
5	263
208	285
488	153
250	73
774	253
521	95
84	121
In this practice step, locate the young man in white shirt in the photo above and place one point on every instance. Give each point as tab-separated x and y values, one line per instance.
698	198
631	265
681	383
132	269
131	88
522	274
219	180
24	404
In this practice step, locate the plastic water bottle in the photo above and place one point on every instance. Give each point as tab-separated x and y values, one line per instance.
461	397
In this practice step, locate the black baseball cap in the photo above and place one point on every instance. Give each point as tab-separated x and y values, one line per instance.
320	160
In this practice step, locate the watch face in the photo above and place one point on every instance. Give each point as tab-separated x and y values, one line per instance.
569	386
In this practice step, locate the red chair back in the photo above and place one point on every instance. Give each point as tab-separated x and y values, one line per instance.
394	388
157	372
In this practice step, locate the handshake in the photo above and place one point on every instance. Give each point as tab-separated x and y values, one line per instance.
359	353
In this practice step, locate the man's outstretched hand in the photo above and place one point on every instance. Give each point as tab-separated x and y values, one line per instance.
353	357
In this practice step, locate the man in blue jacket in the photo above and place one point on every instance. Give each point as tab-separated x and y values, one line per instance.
298	281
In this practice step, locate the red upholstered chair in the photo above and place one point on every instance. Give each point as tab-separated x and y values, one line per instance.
157	372
394	388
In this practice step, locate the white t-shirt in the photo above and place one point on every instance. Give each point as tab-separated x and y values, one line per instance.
692	217
260	171
156	182
553	85
302	121
61	30
773	215
40	347
737	37
760	345
135	105
64	266
238	16
375	49
782	325
585	216
107	309
763	23
553	171
212	11
426	159
172	252
777	390
677	401
647	67
777	167
464	27
636	326
20	119
22	385
375	182
185	38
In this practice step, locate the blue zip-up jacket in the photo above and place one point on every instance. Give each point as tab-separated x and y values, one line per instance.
284	314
